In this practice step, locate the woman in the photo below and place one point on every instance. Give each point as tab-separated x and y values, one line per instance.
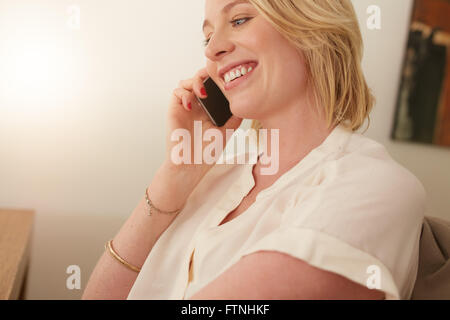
338	220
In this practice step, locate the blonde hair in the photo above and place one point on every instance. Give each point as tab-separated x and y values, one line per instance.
328	34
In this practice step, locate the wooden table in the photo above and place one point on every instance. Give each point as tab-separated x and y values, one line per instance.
15	238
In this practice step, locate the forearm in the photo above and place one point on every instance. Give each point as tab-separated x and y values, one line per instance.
168	191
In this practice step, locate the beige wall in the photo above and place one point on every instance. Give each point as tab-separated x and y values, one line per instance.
81	139
382	64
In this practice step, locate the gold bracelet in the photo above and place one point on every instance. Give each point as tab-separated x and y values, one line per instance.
108	246
152	207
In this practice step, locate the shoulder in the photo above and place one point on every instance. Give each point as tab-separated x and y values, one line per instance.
365	167
362	189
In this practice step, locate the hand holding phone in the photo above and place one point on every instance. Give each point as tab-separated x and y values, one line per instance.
215	104
189	107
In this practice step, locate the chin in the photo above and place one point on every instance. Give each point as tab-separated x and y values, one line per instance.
241	112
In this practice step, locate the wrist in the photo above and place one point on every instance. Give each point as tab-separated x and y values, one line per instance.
192	172
172	186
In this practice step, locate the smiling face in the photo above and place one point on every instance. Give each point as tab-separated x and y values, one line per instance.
238	36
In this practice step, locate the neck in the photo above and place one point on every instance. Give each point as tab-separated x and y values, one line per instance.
300	131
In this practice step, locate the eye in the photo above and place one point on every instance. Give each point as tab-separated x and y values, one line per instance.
206	41
237	20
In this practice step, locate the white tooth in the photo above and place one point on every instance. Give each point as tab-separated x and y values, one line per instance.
250	69
238	72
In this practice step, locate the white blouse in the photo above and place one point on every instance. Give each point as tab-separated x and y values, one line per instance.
347	207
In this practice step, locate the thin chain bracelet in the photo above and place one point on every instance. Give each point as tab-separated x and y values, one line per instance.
152	207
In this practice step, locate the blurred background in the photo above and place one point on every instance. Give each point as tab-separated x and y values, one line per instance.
84	89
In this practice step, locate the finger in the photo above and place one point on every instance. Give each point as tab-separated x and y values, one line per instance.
184	97
185	84
202	73
195	85
199	87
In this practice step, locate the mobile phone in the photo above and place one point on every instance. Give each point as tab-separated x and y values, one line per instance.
215	104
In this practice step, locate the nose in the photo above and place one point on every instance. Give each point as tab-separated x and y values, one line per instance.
219	46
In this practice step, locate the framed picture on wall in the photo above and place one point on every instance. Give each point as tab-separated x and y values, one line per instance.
422	111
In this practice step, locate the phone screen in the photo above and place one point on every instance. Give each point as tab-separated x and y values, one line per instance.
215	104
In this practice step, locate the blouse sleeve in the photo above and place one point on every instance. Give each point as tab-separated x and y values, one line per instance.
363	224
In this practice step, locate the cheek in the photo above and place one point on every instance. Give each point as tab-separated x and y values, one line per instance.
293	67
296	65
211	70
280	59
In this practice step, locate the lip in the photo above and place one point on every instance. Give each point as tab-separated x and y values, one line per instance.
234	65
230	85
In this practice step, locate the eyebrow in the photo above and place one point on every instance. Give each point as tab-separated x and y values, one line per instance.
224	10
